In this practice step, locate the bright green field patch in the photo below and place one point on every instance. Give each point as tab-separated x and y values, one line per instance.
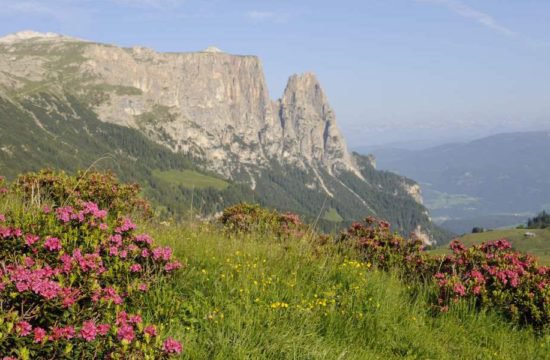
190	179
332	215
538	245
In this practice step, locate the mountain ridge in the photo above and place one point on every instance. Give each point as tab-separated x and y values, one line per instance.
214	108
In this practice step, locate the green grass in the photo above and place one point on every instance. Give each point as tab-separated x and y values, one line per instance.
260	298
191	179
538	245
332	215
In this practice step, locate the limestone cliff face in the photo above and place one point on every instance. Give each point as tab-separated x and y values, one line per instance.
211	104
309	126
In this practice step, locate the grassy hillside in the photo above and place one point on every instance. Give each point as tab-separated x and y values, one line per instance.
538	245
252	297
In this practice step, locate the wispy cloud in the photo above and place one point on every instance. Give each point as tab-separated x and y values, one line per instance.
261	16
484	19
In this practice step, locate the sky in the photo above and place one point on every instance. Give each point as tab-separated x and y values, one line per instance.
395	71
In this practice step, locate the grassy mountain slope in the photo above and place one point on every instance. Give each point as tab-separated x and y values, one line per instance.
70	137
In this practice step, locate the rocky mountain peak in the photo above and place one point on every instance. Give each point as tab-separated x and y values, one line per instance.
33	35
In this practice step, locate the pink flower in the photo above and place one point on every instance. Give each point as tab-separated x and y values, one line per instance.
103	226
69	296
88	331
143	287
64	214
459	289
103	329
110	294
144	238
135	268
126	226
113	251
116	239
23	328
135	319
47	209
164	253
150	330
2	218
28	261
172	266
126	332
52	244
39	334
31	239
172	346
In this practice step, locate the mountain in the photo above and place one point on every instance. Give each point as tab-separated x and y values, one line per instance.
490	182
172	120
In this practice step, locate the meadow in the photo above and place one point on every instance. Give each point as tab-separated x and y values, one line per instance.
257	297
81	280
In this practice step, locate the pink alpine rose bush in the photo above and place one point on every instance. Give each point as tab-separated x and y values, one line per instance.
493	274
386	250
252	218
72	274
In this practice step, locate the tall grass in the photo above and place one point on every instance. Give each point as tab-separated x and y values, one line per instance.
252	297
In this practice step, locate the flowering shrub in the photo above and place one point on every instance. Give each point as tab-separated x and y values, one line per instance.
102	188
384	249
251	218
495	275
490	274
70	272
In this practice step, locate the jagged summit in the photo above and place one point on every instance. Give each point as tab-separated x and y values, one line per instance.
34	35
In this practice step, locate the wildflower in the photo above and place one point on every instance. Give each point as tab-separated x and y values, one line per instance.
126	226
135	319
143	238
31	239
88	331
150	330
126	332
39	334
459	289
164	253
52	244
103	329
135	268
64	214
172	266
23	328
172	346
143	287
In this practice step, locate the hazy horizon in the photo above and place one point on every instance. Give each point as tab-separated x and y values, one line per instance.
395	71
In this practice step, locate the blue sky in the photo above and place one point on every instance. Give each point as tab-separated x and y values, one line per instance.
394	70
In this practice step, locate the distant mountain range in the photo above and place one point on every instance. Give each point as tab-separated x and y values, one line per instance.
198	130
491	182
